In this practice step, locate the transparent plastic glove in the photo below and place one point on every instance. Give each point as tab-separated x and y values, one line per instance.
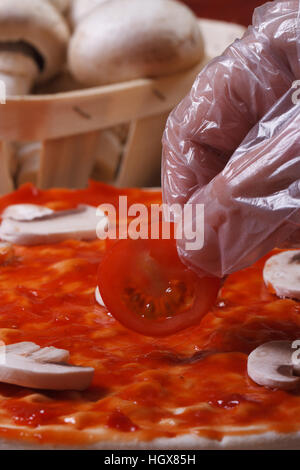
233	144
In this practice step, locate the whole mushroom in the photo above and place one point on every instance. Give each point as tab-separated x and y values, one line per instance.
129	39
33	43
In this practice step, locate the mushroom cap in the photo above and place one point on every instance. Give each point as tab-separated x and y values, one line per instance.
80	8
39	24
128	39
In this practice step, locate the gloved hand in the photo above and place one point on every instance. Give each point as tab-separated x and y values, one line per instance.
233	144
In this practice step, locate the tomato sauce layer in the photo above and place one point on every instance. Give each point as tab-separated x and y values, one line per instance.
194	382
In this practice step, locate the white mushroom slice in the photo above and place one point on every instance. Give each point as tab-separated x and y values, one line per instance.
271	365
27	365
6	252
48	354
25	212
282	273
79	224
51	355
98	297
22	349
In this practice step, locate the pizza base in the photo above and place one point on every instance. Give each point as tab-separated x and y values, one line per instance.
264	441
65	271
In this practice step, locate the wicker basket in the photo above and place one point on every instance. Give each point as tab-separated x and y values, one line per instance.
68	124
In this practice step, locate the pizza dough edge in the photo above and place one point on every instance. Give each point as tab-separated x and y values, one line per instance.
265	441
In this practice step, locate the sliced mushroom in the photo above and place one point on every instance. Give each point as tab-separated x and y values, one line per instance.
80	224
30	212
33	43
51	355
282	274
25	212
130	39
24	349
27	365
271	365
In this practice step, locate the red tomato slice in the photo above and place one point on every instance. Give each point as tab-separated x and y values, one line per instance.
146	287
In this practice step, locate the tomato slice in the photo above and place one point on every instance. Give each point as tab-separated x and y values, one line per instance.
146	287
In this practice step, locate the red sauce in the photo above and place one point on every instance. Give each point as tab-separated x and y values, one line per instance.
117	420
30	414
192	382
